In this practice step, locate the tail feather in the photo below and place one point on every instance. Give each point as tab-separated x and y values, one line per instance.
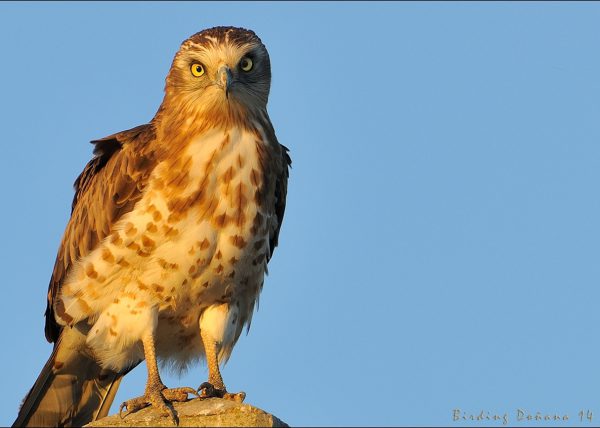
72	389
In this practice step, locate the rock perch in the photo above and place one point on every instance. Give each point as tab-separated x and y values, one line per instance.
214	412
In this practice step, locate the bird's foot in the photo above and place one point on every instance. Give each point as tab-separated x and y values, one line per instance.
208	390
160	397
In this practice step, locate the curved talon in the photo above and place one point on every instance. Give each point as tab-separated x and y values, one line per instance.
171	415
192	391
172	394
206	390
123	406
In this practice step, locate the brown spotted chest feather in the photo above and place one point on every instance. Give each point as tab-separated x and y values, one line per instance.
199	236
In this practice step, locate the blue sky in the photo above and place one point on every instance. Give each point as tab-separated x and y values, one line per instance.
441	240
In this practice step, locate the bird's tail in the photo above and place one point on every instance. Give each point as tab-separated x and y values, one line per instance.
71	390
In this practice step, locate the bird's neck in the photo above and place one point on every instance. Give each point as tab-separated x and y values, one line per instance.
185	117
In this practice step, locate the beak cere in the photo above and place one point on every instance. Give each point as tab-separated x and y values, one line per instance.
224	79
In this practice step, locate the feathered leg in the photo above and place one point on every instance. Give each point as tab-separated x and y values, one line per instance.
156	393
215	386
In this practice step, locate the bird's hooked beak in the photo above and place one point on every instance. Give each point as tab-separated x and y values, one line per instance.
224	79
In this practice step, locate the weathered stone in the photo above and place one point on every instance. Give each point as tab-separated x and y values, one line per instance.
215	412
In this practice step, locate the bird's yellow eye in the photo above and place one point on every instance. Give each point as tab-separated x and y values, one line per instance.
197	69
246	64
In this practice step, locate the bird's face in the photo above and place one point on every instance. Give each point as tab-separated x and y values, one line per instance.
220	70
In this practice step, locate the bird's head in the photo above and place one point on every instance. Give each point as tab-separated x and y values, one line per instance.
219	72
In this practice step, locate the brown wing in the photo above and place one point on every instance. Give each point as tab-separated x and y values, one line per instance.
109	186
280	194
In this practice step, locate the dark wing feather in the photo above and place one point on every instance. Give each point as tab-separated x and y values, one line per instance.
280	194
109	186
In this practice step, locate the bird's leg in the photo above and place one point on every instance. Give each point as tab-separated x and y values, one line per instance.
156	393
215	386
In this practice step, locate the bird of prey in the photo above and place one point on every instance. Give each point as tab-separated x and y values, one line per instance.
172	225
